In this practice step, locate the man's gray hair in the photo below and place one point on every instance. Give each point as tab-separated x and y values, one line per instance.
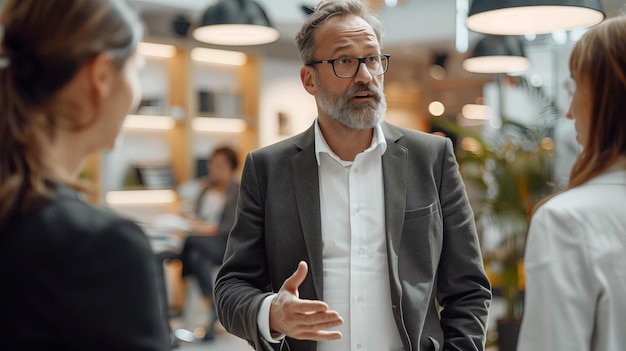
324	10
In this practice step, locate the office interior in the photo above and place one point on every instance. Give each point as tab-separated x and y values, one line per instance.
193	102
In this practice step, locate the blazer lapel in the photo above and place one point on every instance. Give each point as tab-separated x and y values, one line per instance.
395	168
306	186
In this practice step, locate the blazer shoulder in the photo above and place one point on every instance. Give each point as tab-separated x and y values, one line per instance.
68	222
286	148
414	138
587	203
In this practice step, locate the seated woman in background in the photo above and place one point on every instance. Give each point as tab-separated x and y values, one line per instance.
575	263
74	277
213	218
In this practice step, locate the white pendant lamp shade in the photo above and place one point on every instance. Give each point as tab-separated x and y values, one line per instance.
235	22
519	17
496	64
497	54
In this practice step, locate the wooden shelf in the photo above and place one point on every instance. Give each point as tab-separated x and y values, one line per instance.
179	138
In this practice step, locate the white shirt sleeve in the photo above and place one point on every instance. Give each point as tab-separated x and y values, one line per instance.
560	295
263	321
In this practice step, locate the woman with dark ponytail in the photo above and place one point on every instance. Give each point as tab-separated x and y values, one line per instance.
74	277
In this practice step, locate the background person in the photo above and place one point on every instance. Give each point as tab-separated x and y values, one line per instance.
373	218
74	277
574	260
214	215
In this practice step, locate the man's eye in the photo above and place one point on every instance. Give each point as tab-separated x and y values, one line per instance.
344	61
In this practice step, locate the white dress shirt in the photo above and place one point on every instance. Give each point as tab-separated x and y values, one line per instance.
356	275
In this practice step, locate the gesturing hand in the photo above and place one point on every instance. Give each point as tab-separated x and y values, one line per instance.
302	319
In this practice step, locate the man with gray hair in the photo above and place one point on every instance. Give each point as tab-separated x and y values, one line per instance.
356	234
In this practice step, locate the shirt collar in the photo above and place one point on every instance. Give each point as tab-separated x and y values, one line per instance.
378	140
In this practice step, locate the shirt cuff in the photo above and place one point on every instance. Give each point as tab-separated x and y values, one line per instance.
263	321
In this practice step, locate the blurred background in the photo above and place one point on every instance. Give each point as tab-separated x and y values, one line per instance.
512	140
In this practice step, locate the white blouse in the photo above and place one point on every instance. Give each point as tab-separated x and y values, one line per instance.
576	270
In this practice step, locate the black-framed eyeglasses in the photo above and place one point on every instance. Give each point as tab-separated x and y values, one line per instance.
347	67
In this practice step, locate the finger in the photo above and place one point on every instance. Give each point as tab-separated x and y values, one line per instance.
313	322
292	283
328	335
315	327
319	335
308	306
319	321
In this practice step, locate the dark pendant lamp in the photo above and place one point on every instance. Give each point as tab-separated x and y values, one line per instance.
497	54
235	22
519	17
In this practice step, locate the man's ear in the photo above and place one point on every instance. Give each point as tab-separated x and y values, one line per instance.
307	76
101	72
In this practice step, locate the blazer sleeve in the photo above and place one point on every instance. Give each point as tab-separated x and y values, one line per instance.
242	281
114	293
561	291
464	292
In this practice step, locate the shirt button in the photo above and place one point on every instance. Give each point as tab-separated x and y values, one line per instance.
359	299
360	252
358	346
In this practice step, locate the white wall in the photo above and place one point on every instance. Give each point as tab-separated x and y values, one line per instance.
136	145
550	68
154	80
551	63
282	91
215	78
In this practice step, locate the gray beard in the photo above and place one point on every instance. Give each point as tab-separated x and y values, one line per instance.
350	114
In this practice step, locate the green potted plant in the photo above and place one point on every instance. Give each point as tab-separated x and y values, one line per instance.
507	171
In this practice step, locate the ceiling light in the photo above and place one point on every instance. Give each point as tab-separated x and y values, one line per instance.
472	145
436	108
224	57
497	54
149	122
136	197
156	50
475	111
519	17
235	22
221	125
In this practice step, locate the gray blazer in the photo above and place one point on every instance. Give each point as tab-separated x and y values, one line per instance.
440	294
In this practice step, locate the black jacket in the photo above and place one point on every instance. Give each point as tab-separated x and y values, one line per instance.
75	277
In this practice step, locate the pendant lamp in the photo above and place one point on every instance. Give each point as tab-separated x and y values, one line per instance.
235	22
519	17
497	54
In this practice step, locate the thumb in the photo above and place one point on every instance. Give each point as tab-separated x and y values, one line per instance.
292	283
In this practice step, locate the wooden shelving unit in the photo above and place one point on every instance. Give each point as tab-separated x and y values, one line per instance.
182	100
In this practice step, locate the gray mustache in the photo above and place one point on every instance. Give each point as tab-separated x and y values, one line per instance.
366	88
